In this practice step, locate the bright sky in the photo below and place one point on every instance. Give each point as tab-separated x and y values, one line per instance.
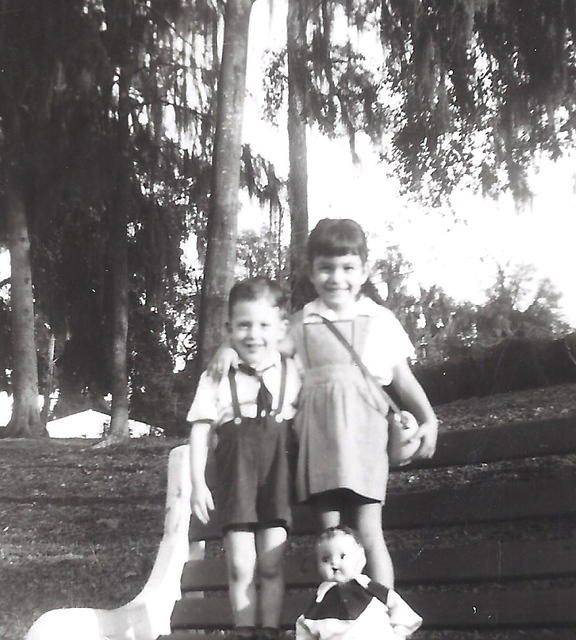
461	257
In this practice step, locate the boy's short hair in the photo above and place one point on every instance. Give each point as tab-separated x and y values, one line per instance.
258	288
333	532
337	237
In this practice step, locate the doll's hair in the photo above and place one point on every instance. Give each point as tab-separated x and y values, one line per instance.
260	288
337	237
334	532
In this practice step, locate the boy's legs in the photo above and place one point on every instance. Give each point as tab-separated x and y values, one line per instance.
270	546
367	520
240	547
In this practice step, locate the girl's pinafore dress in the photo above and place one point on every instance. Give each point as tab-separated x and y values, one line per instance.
341	424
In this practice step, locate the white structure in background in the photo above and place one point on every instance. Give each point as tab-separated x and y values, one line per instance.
5	408
93	424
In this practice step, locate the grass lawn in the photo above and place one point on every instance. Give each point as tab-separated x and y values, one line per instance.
81	526
78	526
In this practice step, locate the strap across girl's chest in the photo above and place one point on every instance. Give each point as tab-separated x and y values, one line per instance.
321	348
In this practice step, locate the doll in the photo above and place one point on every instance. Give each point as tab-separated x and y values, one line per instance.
348	604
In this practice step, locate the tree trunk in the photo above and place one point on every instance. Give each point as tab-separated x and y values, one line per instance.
297	149
222	230
25	421
45	414
119	431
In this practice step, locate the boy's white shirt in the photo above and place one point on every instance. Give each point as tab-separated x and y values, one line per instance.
213	400
401	620
387	343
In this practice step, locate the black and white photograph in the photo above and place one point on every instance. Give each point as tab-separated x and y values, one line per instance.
287	319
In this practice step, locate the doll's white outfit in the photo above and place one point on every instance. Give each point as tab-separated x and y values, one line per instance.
359	609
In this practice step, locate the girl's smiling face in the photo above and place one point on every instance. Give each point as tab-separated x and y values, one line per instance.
338	279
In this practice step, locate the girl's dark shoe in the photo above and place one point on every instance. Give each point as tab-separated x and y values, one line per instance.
246	633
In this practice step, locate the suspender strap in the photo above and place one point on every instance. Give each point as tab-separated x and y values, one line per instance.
282	394
234	394
357	361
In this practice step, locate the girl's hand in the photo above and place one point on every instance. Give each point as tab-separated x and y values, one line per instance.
202	503
221	362
428	433
403	439
408	422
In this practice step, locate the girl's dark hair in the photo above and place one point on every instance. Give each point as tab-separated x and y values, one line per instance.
337	237
260	288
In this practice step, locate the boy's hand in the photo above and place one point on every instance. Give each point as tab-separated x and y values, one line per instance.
428	434
221	362
202	503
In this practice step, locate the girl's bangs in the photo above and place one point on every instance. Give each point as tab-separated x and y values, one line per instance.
338	237
339	246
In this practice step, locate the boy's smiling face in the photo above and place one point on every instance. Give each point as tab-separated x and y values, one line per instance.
256	328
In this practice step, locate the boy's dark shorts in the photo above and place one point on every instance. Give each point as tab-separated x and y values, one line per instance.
253	483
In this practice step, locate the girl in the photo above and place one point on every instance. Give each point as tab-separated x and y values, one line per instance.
342	429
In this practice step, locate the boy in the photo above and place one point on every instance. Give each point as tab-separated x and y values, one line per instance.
348	605
250	410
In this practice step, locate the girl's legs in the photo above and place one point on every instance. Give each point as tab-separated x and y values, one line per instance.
367	520
328	509
240	547
342	507
270	546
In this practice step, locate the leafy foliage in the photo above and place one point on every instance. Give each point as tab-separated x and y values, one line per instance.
59	119
441	328
464	91
519	307
485	86
262	254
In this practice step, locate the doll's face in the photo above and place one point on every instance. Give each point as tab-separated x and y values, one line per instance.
340	558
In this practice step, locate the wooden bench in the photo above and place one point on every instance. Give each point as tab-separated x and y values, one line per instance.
496	553
473	568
